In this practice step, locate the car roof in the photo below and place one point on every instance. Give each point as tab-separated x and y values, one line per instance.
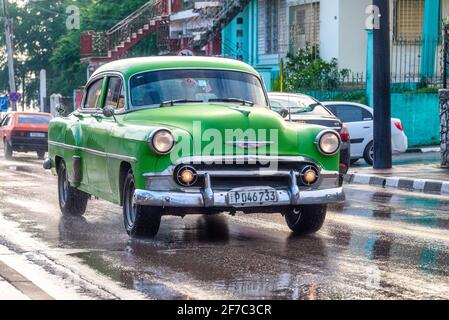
339	103
30	113
131	66
285	94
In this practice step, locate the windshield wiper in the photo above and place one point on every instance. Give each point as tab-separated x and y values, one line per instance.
242	101
173	102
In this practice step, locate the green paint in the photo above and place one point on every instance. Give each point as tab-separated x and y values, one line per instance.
129	135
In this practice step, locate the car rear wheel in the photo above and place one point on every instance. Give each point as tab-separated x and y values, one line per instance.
71	200
305	219
368	154
7	150
140	221
40	154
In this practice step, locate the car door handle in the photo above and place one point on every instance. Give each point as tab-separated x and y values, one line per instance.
367	127
97	116
78	115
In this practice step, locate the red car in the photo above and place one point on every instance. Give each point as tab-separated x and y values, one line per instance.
25	132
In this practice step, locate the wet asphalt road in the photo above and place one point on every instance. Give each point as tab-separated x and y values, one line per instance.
379	244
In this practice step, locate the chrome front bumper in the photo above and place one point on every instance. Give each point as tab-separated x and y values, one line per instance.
220	199
209	198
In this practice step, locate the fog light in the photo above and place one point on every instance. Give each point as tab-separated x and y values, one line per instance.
309	175
187	176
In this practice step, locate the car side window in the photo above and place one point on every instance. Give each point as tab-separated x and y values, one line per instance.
115	96
3	121
331	108
347	113
367	116
6	121
93	94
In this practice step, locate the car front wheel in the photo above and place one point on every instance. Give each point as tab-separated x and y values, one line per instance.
306	219
71	200
140	221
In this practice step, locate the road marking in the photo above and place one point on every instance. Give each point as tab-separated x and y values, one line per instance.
392	182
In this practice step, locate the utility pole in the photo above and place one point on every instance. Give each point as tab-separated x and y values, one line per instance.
9	51
381	88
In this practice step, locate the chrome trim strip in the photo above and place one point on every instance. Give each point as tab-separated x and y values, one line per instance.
93	152
62	145
240	158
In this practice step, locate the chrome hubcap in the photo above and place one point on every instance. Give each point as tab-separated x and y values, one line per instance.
130	206
295	215
63	187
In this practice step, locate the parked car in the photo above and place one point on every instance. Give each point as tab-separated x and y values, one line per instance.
143	135
300	108
359	120
24	132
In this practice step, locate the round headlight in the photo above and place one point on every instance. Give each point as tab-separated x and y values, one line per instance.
162	141
328	142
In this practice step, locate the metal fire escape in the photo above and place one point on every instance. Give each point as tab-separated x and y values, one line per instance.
98	47
220	17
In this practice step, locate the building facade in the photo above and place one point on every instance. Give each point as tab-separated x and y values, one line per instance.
267	30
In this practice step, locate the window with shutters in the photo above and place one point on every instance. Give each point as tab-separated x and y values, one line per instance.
271	32
304	25
408	20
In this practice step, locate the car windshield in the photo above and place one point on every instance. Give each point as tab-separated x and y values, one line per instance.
303	105
151	89
33	119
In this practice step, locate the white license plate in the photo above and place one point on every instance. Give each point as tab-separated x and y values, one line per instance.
252	197
37	135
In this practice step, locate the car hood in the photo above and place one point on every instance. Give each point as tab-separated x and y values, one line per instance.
203	122
326	121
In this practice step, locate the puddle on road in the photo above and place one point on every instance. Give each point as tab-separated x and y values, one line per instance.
419	211
20	168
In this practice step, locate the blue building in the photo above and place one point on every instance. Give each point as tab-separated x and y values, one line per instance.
266	30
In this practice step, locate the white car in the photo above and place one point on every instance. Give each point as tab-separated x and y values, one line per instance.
359	120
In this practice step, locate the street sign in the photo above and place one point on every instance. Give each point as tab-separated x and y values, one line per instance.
3	103
14	96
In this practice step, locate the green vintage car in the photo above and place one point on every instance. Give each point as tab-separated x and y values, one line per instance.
190	135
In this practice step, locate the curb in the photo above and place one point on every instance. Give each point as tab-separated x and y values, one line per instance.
416	185
424	150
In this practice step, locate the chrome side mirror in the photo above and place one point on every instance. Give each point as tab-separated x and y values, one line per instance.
60	108
108	112
284	112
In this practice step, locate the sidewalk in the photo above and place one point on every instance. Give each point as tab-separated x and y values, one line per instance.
412	172
13	284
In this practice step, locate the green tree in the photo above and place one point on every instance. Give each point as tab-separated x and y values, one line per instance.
42	41
305	70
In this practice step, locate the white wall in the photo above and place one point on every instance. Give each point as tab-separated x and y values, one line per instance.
329	29
352	34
